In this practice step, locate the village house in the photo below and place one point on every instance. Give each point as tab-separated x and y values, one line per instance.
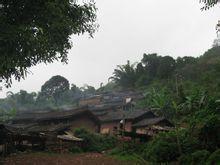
47	130
104	120
92	100
75	118
114	120
152	126
121	98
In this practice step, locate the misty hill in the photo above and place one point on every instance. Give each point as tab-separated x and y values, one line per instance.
154	71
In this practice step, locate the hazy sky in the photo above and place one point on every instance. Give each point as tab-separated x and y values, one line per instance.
127	30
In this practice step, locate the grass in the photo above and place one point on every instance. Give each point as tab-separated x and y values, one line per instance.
134	158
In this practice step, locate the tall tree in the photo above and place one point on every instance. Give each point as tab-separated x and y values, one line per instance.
151	63
55	87
166	67
35	31
125	75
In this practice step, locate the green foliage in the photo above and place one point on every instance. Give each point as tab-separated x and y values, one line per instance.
214	158
95	142
200	157
75	149
7	114
54	87
129	151
160	100
55	94
184	73
209	133
157	99
109	87
162	149
197	157
39	31
125	75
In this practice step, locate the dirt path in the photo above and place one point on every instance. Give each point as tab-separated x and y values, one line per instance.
63	159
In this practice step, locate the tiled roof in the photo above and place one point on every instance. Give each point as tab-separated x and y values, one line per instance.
151	121
115	115
34	117
35	128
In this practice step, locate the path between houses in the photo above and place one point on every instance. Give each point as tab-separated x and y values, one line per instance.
63	159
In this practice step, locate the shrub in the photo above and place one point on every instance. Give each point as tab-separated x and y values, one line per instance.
188	142
200	157
75	149
214	158
164	148
95	142
129	151
209	134
161	151
185	159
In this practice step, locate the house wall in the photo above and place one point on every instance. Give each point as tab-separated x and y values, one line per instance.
144	130
84	122
128	126
109	127
92	101
149	131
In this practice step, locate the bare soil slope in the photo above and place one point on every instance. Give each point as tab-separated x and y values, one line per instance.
63	159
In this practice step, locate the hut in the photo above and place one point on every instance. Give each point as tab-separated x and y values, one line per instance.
111	121
75	118
92	100
152	126
46	131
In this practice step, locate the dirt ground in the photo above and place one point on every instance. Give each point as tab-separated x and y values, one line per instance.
63	159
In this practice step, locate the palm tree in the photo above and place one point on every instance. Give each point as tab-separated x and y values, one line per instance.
125	75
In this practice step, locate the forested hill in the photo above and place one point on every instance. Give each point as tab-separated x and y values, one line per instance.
155	74
164	71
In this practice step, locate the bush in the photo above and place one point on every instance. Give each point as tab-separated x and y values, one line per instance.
95	142
200	157
185	159
162	151
130	152
164	148
188	142
214	158
75	149
209	134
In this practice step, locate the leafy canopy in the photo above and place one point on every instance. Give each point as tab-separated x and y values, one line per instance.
54	87
36	31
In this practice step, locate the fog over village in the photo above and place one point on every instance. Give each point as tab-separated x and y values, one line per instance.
97	82
126	32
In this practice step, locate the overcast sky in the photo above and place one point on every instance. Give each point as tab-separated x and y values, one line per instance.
127	30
